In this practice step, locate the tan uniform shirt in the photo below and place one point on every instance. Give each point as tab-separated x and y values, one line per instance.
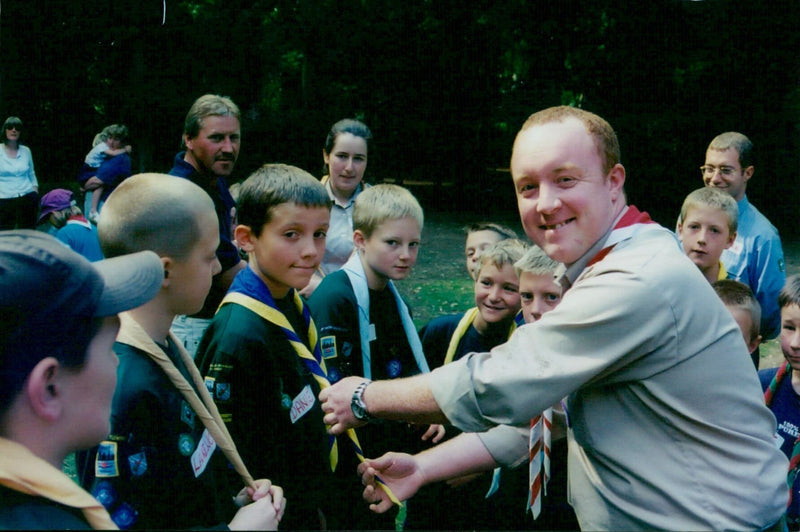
668	427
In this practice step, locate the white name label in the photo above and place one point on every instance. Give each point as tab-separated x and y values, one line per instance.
202	455
302	404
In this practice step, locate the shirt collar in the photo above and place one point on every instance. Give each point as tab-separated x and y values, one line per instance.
336	200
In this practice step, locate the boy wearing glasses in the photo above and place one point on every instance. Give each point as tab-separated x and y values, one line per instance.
756	256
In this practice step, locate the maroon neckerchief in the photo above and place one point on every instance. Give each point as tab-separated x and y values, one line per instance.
632	216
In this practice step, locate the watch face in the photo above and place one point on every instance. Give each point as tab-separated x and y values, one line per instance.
358	410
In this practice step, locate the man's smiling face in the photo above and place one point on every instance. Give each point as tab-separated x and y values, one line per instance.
566	200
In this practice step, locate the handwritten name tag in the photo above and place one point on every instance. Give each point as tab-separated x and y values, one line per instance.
302	404
202	455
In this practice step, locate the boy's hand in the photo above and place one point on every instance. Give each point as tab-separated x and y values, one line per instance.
264	513
264	487
335	402
437	431
399	471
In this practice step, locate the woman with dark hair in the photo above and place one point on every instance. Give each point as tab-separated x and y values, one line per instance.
19	189
345	156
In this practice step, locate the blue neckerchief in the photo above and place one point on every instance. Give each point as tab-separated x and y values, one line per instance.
247	282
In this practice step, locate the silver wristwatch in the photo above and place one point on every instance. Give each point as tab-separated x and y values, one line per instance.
357	404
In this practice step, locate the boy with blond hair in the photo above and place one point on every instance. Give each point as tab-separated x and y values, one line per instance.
540	293
491	321
481	235
538	290
365	326
707	227
158	468
260	355
744	307
448	338
58	321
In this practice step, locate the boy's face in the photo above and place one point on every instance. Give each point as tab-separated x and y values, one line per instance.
790	334
497	293
89	390
705	234
566	199
390	252
189	278
745	322
477	241
290	247
734	184
216	146
538	294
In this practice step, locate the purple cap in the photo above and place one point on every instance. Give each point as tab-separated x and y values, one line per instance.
54	201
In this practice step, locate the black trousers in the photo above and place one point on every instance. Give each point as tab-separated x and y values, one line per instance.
19	213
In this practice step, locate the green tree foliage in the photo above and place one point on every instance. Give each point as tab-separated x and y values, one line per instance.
444	85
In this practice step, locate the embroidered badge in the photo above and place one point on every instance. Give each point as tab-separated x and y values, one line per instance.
187	414
393	368
222	391
286	401
202	455
106	463
333	375
185	444
328	346
302	404
125	516
105	493
138	463
347	349
209	381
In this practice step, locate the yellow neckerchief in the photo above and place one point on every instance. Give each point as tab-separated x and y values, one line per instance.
723	273
131	333
314	365
23	471
461	330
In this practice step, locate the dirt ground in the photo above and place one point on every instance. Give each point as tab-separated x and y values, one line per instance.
440	285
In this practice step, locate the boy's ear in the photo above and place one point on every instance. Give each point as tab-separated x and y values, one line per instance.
43	389
244	237
731	238
359	240
168	263
753	345
325	157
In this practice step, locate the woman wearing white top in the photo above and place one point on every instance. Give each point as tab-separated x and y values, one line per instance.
345	156
19	189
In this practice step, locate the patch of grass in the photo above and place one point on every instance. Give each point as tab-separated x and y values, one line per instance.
770	353
437	297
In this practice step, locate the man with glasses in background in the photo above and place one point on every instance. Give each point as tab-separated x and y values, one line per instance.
756	256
